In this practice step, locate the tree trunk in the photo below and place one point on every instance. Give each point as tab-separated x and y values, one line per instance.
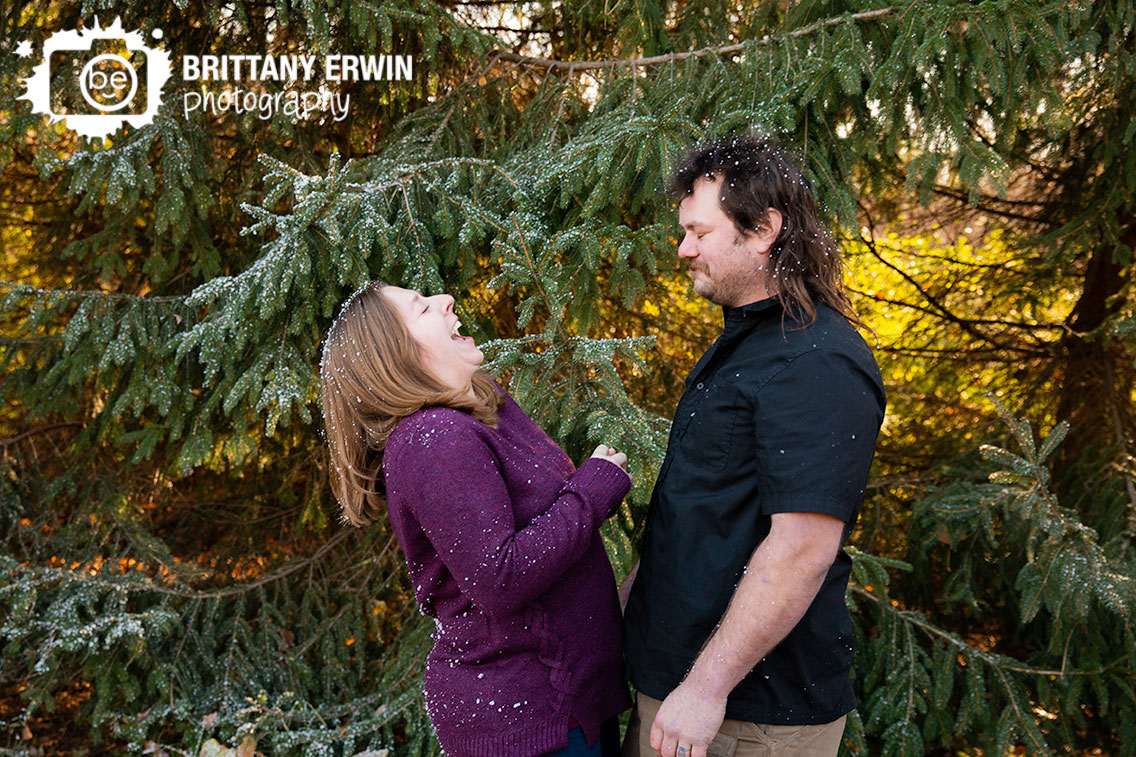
1094	370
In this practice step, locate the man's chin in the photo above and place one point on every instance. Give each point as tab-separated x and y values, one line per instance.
704	289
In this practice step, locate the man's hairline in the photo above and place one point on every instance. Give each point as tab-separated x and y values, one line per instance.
719	177
740	233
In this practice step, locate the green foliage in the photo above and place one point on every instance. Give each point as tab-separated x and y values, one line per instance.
267	659
924	685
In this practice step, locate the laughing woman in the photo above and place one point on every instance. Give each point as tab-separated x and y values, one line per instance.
499	528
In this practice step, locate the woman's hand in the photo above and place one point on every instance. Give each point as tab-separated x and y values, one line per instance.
608	453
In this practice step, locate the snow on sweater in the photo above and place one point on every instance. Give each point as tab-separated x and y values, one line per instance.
501	536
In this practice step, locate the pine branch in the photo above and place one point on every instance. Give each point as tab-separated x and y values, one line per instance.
586	65
937	306
992	659
939	313
58	294
37	430
150	587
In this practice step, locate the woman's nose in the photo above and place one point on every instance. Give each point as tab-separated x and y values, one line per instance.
447	302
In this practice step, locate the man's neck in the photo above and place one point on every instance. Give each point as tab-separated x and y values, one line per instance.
753	297
756	293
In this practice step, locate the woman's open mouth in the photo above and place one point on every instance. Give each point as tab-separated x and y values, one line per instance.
454	335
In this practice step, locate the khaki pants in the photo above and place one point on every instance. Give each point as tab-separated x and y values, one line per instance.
737	738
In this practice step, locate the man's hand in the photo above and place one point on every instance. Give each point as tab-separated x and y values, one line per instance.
782	578
687	722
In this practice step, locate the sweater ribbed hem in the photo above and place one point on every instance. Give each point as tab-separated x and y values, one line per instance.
605	481
536	739
590	712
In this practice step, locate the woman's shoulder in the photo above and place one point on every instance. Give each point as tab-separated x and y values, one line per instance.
438	424
429	425
435	441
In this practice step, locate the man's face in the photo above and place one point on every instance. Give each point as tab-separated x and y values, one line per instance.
728	268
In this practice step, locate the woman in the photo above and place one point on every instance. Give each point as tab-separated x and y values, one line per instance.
500	531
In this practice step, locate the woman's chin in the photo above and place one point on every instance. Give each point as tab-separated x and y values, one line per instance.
468	344
472	353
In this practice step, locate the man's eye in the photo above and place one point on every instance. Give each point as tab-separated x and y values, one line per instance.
699	236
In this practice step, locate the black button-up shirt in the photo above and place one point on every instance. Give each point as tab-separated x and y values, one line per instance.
775	418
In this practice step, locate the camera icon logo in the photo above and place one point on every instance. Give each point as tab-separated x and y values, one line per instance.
99	79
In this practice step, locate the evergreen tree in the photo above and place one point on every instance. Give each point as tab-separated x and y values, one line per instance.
176	571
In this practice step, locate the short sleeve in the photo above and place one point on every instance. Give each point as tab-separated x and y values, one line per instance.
816	423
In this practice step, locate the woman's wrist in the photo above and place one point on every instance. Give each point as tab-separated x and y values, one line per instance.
605	482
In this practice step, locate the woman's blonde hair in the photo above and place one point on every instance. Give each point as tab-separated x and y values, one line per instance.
371	377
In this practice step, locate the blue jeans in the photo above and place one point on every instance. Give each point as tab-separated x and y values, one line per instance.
577	746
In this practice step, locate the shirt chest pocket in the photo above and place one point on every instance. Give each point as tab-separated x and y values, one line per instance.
711	432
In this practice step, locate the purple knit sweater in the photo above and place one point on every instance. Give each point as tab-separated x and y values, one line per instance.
501	535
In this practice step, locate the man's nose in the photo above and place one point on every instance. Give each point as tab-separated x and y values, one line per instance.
686	248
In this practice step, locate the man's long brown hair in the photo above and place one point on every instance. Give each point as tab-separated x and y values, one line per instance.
756	175
371	377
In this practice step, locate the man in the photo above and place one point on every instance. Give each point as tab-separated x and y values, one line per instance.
738	640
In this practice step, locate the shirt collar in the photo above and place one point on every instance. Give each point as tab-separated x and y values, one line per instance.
750	310
744	317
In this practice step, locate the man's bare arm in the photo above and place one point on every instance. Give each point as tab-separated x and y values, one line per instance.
781	580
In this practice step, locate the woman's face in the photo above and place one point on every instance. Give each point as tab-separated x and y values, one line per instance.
448	356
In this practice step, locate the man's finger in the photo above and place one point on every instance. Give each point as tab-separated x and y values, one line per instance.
699	750
656	736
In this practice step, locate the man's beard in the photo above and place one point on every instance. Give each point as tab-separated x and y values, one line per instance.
727	290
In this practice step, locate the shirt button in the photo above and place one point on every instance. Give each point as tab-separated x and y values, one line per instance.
699	385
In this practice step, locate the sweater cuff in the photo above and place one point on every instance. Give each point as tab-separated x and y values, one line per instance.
602	483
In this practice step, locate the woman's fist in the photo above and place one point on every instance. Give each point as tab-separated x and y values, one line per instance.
609	453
